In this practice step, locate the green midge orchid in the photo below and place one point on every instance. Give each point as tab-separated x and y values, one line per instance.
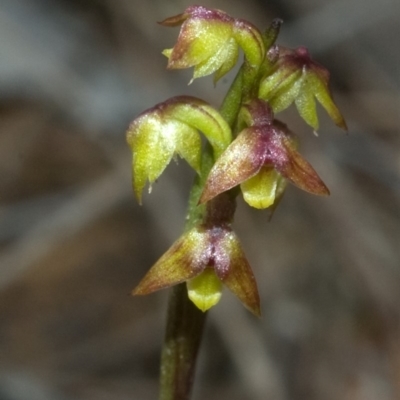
295	77
259	158
209	41
206	257
169	128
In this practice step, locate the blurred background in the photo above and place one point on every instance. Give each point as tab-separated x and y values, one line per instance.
74	242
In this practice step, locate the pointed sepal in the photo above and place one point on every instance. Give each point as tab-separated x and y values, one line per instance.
239	277
184	260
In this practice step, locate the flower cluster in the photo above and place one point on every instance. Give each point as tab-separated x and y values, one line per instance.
254	152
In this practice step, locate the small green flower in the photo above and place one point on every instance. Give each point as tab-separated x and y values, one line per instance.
259	158
209	41
295	77
170	128
205	257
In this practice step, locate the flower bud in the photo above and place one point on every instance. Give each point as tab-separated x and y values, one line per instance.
170	128
209	41
295	77
271	33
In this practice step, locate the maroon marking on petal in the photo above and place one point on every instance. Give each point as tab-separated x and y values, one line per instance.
275	153
183	99
219	258
205	13
300	59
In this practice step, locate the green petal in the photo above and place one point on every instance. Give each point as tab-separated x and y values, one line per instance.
188	145
280	80
205	118
260	190
151	152
230	59
250	40
213	63
324	96
198	40
205	290
305	104
286	93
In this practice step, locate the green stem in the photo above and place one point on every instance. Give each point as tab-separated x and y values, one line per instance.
243	88
231	104
182	340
